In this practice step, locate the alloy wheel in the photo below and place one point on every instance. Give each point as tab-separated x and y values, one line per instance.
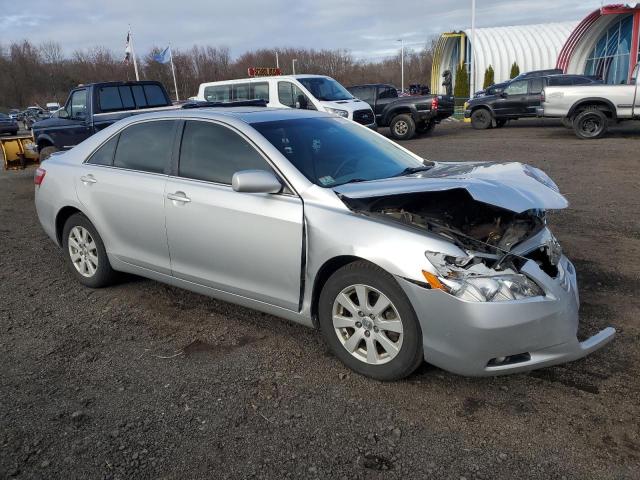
401	128
83	251
367	324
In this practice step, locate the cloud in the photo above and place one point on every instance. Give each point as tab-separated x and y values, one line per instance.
368	28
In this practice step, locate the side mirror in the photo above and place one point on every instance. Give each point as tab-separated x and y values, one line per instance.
255	181
63	114
503	94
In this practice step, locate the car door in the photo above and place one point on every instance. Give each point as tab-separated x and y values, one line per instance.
122	187
385	95
74	126
536	85
248	244
512	101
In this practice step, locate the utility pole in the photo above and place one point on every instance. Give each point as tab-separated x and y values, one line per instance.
277	61
402	64
472	49
293	65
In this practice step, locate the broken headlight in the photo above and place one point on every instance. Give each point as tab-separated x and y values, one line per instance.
478	283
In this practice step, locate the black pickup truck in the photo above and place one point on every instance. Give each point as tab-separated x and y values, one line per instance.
407	115
92	107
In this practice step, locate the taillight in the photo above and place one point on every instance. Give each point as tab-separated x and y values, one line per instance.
38	178
434	103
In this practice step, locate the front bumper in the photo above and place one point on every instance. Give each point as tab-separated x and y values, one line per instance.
481	339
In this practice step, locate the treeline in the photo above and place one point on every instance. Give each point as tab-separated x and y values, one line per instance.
35	74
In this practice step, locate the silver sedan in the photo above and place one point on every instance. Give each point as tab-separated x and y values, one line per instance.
318	220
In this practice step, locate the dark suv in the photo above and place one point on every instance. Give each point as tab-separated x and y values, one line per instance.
518	99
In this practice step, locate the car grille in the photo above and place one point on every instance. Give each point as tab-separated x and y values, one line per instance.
364	117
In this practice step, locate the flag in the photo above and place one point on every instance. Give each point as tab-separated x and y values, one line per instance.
127	49
164	56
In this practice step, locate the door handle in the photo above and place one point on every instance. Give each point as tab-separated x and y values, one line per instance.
88	179
178	197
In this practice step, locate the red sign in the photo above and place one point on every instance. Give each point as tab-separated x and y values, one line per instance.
263	71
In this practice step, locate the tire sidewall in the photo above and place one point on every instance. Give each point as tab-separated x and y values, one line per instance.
411	127
583	116
481	124
411	353
104	273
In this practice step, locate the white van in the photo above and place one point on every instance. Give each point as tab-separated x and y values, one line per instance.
314	92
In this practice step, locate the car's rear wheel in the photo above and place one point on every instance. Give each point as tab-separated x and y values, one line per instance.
46	152
590	123
369	323
86	253
481	119
402	127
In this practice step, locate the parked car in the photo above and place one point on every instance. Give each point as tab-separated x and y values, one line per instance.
92	107
14	113
520	98
407	115
590	110
8	124
306	92
319	220
53	107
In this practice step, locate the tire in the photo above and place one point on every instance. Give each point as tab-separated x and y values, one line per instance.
590	124
372	354
402	127
90	264
501	123
481	119
47	151
426	128
567	122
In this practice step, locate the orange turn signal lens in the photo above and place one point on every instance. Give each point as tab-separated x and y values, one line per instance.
433	281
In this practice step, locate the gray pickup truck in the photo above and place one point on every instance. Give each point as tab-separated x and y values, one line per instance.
590	109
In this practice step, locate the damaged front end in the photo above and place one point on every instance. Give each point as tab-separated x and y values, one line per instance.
490	270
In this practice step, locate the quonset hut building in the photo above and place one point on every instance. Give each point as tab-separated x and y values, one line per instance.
605	43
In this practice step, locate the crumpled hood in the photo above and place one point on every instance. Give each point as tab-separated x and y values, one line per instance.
513	186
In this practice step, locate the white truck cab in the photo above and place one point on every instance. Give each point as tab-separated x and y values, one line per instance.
313	92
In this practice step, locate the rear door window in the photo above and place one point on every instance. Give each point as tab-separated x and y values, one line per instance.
241	91
146	146
155	96
535	86
104	154
213	153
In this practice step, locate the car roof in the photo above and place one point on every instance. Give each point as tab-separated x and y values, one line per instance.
248	115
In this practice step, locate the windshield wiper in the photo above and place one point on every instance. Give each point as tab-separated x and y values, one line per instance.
354	180
411	170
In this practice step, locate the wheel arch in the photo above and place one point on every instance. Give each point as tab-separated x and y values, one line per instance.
400	110
61	218
44	141
602	103
326	270
485	107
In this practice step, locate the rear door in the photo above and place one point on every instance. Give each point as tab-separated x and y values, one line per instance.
534	97
248	244
122	188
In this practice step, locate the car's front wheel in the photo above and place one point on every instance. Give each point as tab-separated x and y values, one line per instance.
369	323
86	253
481	119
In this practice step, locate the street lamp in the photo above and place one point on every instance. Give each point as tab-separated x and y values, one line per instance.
293	65
401	64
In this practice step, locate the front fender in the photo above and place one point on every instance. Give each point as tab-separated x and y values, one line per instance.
43	140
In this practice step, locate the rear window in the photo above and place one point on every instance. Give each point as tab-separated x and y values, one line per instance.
126	97
217	93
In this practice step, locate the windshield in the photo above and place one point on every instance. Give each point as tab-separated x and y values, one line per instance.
326	89
334	151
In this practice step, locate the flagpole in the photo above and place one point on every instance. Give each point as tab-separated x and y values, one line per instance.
173	71
133	54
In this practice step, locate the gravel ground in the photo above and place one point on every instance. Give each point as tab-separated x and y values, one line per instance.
93	383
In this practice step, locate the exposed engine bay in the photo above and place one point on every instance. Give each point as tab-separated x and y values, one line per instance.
473	226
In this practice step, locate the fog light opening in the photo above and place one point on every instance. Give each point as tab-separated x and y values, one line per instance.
509	360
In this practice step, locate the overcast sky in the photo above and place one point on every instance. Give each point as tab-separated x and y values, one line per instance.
368	28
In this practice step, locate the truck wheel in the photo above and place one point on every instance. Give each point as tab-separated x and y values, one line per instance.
402	127
590	123
46	152
426	128
481	119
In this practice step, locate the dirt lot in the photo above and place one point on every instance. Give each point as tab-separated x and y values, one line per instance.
91	386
